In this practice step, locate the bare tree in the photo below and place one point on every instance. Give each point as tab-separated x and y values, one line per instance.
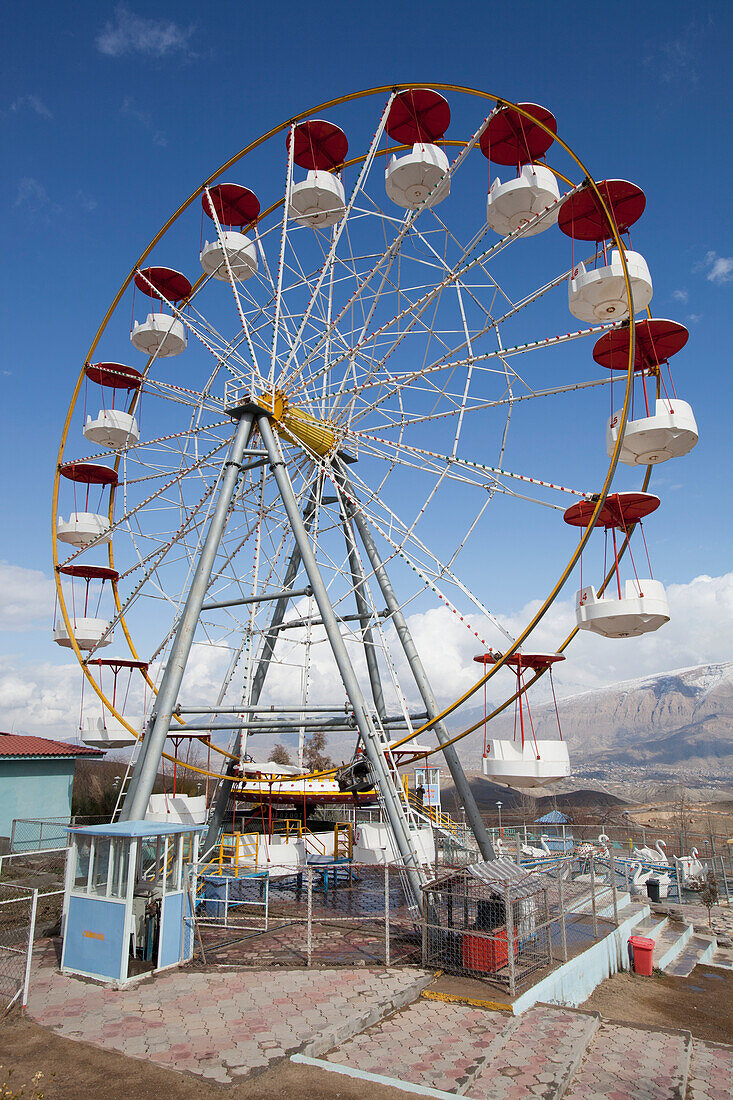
709	895
280	755
315	757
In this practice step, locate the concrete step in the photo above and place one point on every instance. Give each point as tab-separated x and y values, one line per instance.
670	943
540	1057
445	1050
722	957
431	1044
698	949
634	1063
711	1071
651	927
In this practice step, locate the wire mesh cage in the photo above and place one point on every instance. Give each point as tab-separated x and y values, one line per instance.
490	921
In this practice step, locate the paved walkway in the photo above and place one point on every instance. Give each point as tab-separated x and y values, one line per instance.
225	1025
220	1025
548	1052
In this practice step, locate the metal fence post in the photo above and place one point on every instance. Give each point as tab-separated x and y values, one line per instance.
593	895
561	903
425	912
626	878
508	903
29	953
518	841
725	878
386	914
310	915
548	929
613	890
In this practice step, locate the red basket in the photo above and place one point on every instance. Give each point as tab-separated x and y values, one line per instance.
487	953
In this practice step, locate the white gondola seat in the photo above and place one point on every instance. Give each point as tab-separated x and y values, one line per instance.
81	528
109	733
319	201
642	608
599	294
670	433
507	762
511	204
177	809
112	428
160	333
87	632
411	178
240	251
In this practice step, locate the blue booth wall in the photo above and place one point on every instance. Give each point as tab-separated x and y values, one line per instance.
94	941
36	788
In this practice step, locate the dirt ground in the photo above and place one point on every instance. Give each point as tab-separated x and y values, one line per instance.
77	1071
702	1003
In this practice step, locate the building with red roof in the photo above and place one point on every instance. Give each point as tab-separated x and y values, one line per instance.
36	783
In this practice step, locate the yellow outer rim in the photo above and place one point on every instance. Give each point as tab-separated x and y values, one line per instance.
499	101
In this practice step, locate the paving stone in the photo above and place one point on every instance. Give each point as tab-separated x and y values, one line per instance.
647	1065
206	1022
711	1071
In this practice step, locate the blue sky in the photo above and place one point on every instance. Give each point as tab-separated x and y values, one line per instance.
112	113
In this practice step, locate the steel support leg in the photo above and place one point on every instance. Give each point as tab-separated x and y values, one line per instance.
216	817
393	806
362	607
450	755
136	801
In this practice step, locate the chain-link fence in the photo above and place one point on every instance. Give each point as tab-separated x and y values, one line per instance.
43	871
507	925
323	914
29	834
17	926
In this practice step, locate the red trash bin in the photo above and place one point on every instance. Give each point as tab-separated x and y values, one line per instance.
643	954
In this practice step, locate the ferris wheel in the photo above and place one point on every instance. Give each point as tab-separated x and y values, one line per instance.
379	381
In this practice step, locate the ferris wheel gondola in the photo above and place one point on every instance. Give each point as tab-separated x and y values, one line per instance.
669	429
641	606
525	761
513	139
597	292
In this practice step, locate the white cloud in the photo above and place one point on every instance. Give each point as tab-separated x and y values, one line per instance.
30	103
31	194
41	699
130	110
44	698
700	630
86	202
681	296
128	33
26	598
718	269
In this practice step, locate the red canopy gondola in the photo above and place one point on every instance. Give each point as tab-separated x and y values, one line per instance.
583	218
115	376
512	138
319	145
233	203
418	115
88	473
655	342
163	282
619	510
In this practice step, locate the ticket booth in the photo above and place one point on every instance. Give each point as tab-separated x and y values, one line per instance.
128	899
429	779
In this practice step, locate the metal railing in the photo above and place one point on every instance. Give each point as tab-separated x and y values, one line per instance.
18	907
